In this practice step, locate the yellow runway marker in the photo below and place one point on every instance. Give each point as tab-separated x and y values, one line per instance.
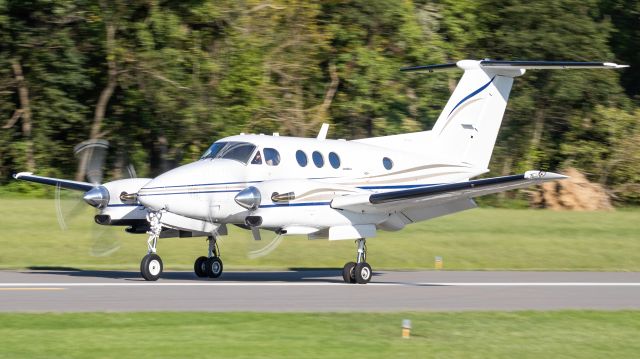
27	289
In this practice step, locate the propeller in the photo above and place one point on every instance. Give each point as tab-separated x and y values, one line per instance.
91	155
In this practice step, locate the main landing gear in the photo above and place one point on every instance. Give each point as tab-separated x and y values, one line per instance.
360	271
151	264
210	266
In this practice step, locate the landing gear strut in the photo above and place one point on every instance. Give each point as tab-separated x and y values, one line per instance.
151	264
210	266
360	271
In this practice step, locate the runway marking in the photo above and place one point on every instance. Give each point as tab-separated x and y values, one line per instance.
28	289
52	286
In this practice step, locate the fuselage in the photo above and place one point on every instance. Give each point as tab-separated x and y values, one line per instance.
315	171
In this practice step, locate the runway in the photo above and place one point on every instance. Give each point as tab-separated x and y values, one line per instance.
317	291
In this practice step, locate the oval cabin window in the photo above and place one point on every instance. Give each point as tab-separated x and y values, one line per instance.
318	160
334	160
301	157
387	163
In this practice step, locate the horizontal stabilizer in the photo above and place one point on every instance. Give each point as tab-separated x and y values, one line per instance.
74	185
441	193
514	65
540	65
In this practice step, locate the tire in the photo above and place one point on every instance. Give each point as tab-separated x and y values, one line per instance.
363	273
348	273
151	267
199	267
214	267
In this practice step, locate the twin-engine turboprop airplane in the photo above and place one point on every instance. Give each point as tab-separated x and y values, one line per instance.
331	189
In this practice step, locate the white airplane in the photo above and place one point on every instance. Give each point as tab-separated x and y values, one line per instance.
323	188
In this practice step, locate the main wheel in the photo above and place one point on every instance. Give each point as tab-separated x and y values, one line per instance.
363	273
199	267
213	267
151	267
348	273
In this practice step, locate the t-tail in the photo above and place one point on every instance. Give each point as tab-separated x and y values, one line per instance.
468	126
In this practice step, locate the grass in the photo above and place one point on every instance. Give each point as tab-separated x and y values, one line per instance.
562	334
478	239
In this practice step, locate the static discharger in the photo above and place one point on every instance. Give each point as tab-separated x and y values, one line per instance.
406	328
439	264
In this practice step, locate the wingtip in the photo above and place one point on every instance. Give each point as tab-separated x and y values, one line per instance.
20	174
615	66
545	176
555	176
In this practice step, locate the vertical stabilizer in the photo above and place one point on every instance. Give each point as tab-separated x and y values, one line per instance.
467	128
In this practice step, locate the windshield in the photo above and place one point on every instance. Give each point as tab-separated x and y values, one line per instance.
238	151
213	150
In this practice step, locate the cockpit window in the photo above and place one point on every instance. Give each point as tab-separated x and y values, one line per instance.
213	150
257	159
238	151
271	156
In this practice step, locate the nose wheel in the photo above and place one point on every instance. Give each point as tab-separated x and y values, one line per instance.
210	266
360	271
151	267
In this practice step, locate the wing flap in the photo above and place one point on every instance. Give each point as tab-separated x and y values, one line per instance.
74	185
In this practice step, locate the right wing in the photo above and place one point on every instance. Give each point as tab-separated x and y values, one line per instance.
438	194
75	185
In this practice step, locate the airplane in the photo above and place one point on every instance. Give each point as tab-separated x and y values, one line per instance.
325	188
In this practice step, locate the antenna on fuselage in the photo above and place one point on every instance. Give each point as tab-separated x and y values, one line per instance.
322	135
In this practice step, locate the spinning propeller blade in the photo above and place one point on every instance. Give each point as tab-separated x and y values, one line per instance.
92	155
255	231
270	247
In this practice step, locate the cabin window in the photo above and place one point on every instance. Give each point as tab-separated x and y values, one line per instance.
257	159
387	163
318	160
334	160
271	156
301	157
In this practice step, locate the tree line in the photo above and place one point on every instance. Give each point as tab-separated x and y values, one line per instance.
162	80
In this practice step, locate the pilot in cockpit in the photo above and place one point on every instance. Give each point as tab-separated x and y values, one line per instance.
257	159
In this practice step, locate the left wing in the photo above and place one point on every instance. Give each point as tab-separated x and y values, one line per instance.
74	185
440	193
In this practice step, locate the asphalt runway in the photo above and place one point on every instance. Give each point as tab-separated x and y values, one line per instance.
316	291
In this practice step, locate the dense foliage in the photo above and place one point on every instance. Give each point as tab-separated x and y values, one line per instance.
161	80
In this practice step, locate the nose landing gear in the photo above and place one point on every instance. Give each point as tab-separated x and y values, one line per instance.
151	264
360	271
210	266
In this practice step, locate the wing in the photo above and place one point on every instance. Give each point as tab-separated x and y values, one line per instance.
75	185
439	194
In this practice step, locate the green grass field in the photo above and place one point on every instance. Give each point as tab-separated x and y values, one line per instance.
479	239
494	335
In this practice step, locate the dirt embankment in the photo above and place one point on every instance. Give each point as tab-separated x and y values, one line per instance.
575	193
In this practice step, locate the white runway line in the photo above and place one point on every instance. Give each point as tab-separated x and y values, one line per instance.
174	284
302	284
537	284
